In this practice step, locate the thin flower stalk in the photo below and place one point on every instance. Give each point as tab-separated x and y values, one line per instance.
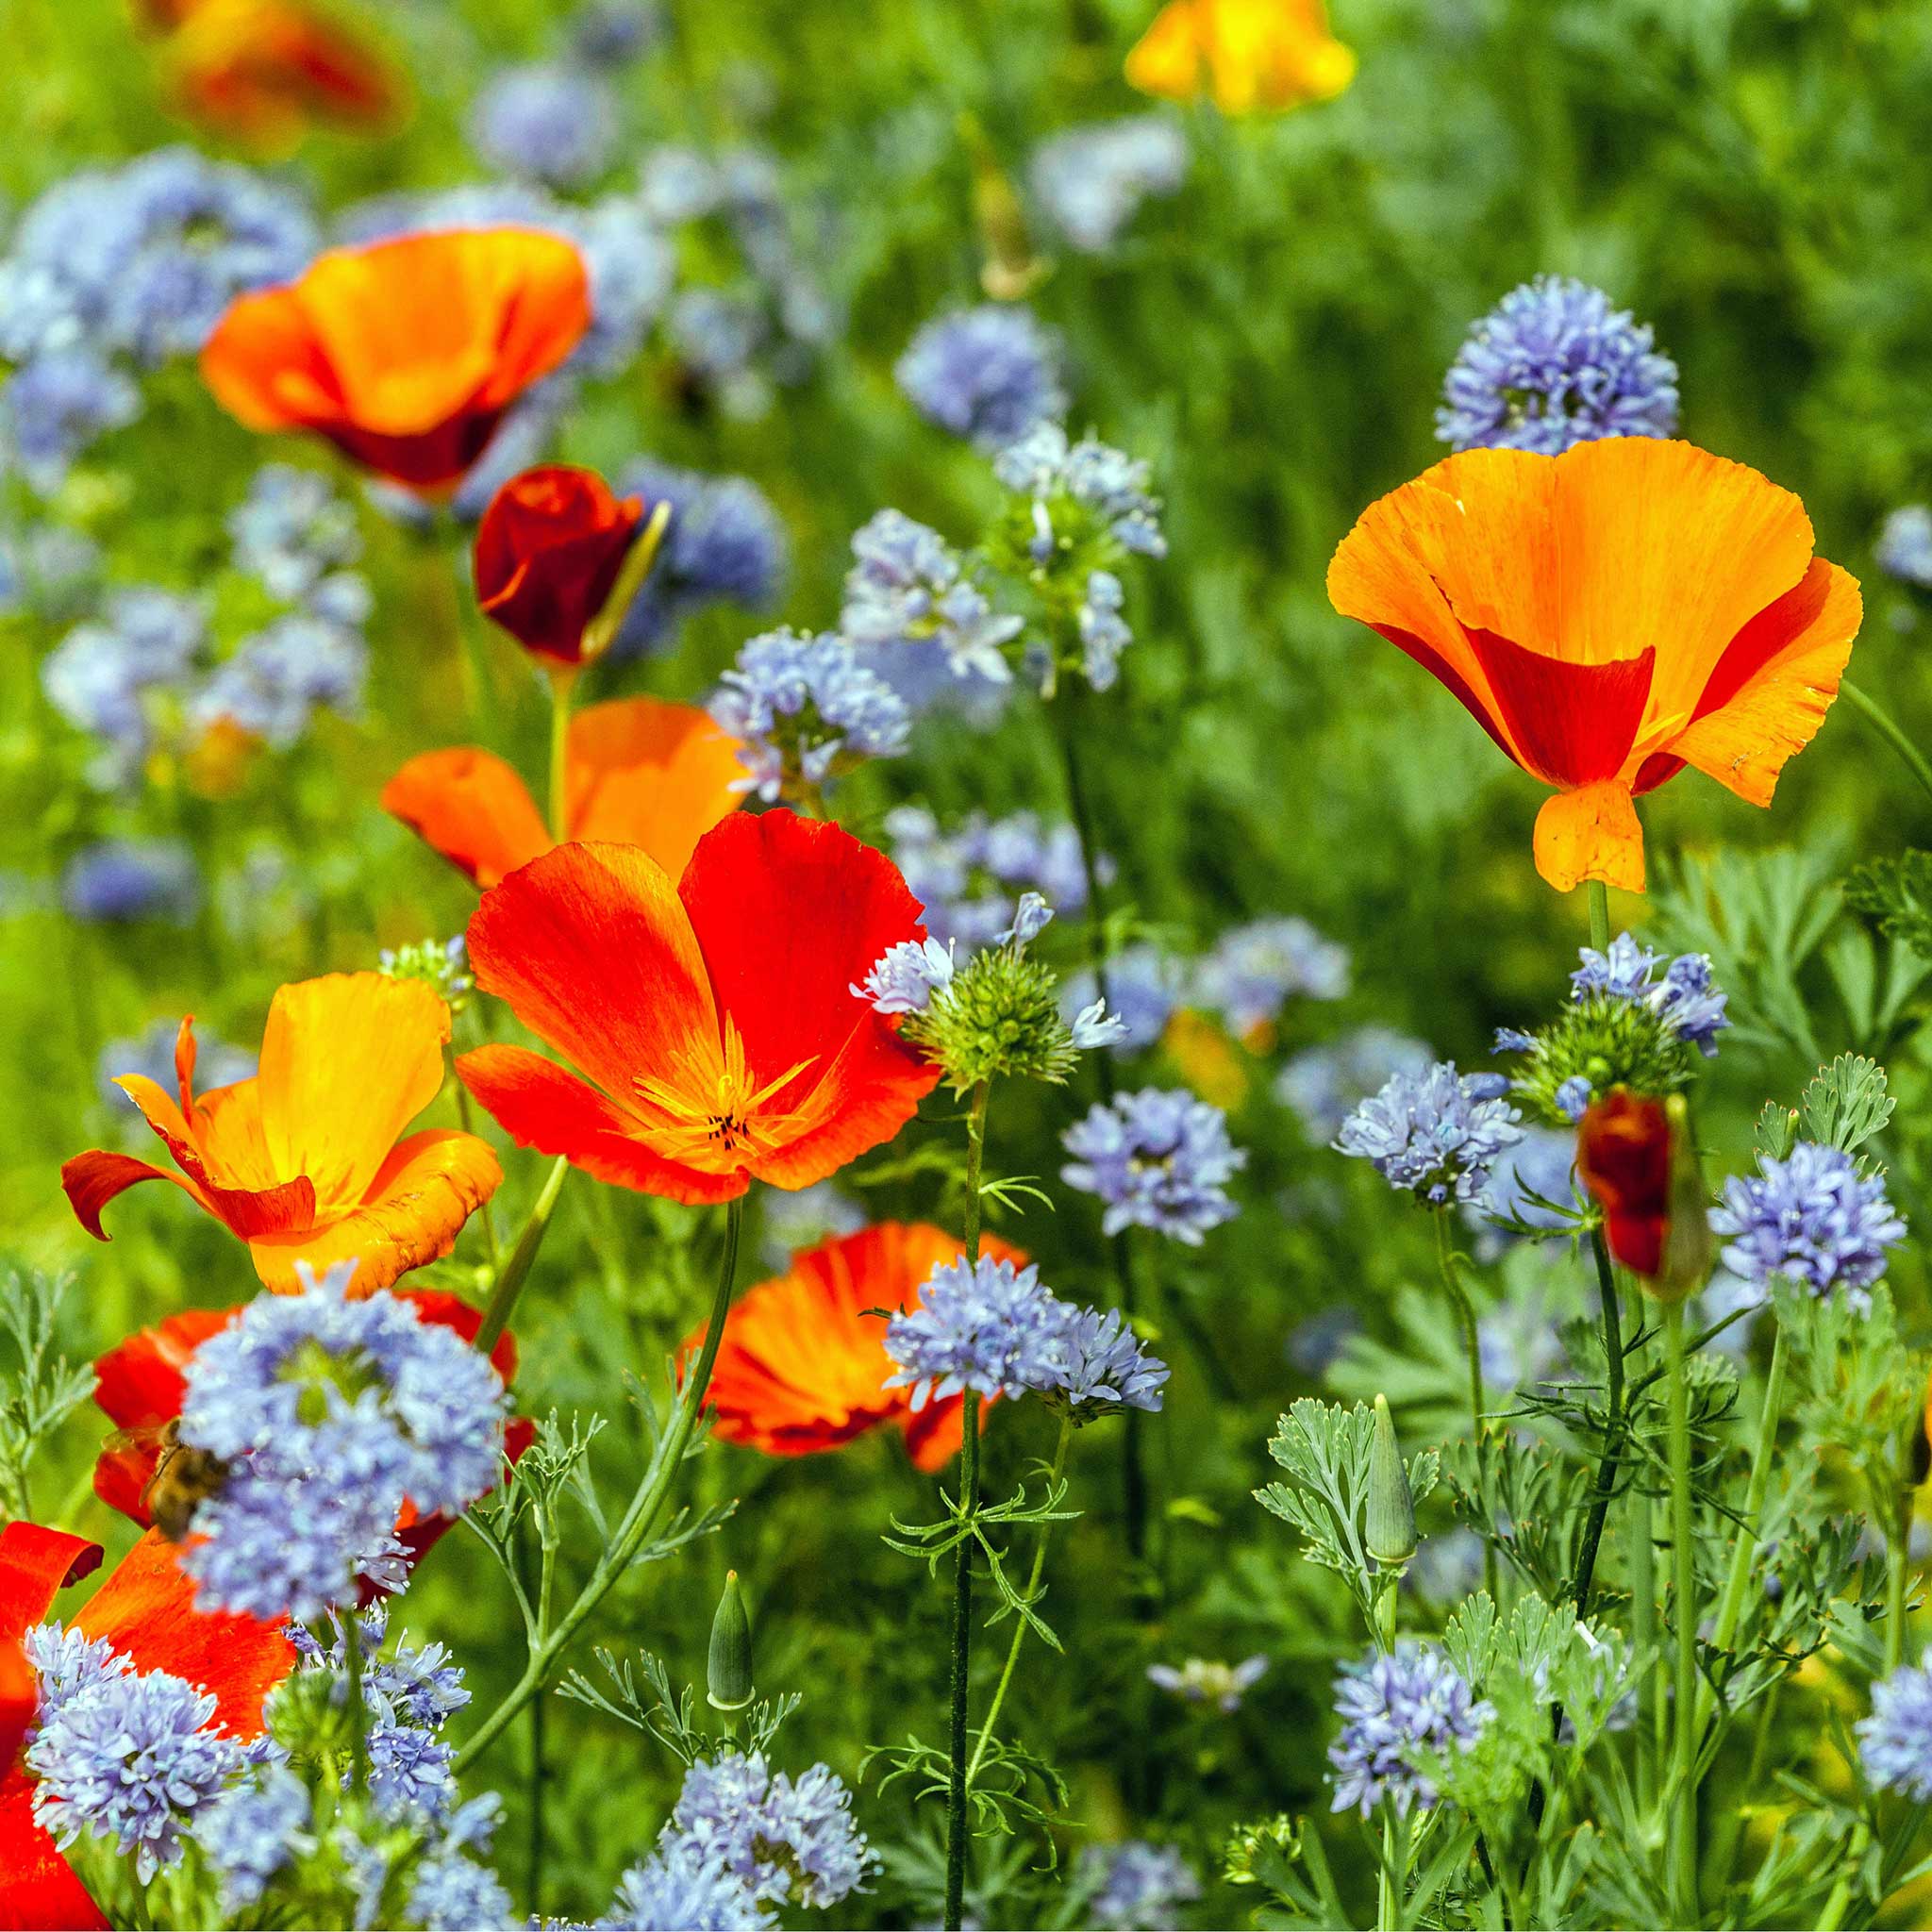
1681	1789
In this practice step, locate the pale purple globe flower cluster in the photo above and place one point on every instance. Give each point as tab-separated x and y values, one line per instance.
1136	1887
1251	971
789	1840
724	544
1896	1740
1813	1219
1435	1135
1158	1158
1553	365
1393	1708
966	877
1689	1006
330	1414
1090	181
987	375
911	595
995	1330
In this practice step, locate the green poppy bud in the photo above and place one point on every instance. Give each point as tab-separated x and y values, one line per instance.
727	1674
1391	1506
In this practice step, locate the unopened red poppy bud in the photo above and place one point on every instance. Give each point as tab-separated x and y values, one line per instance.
1623	1154
727	1675
549	552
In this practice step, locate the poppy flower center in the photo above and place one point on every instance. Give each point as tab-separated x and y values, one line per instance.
711	1113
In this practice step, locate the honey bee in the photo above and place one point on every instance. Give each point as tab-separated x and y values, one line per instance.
183	1476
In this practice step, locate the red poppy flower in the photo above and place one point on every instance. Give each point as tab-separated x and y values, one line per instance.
714	1013
548	556
1623	1154
264	72
146	1610
140	1384
405	353
304	1161
803	1362
1609	616
637	771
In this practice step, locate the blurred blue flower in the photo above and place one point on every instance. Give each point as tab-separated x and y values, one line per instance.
453	1893
1315	1344
151	1053
724	544
1896	1740
1106	483
1395	1706
716	332
678	1889
131	1758
984	1326
548	122
55	407
45	569
967	878
122	879
102	675
1812	1219
1090	181
1435	1134
1540	1165
1146	984
907	588
988	373
1905	546
807	711
608	33
278	678
1553	364
292	532
1157	1158
1137	1887
251	1832
1254	969
1322	1085
790	1840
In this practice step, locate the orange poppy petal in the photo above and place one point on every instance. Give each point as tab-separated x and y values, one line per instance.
229	1169
266	366
36	1564
544	1107
38	1887
473	807
1166	59
1772	689
140	1382
416	1206
595	953
644	773
1591	833
347	1062
90	1180
146	1609
791	914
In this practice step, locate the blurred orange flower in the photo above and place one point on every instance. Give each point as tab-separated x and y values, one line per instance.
1247	56
264	72
715	1014
304	1161
803	1363
405	353
1608	616
637	771
548	554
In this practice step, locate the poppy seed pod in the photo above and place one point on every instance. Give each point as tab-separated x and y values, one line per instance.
1391	1505
728	1670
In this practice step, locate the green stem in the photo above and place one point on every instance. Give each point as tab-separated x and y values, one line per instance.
1731	1604
1644	1640
1882	722
515	1271
1613	1427
1898	1551
359	1710
962	1560
1684	1590
561	683
1599	895
999	1695
639	1518
1446	1260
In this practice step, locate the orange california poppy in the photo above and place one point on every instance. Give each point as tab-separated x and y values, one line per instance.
1608	616
714	1011
405	353
140	1383
803	1363
637	771
304	1161
548	553
264	72
1247	56
146	1611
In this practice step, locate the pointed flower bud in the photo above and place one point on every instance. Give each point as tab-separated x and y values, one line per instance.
1391	1506
727	1674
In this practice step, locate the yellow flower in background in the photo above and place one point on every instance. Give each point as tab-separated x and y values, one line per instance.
1250	55
1206	1058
